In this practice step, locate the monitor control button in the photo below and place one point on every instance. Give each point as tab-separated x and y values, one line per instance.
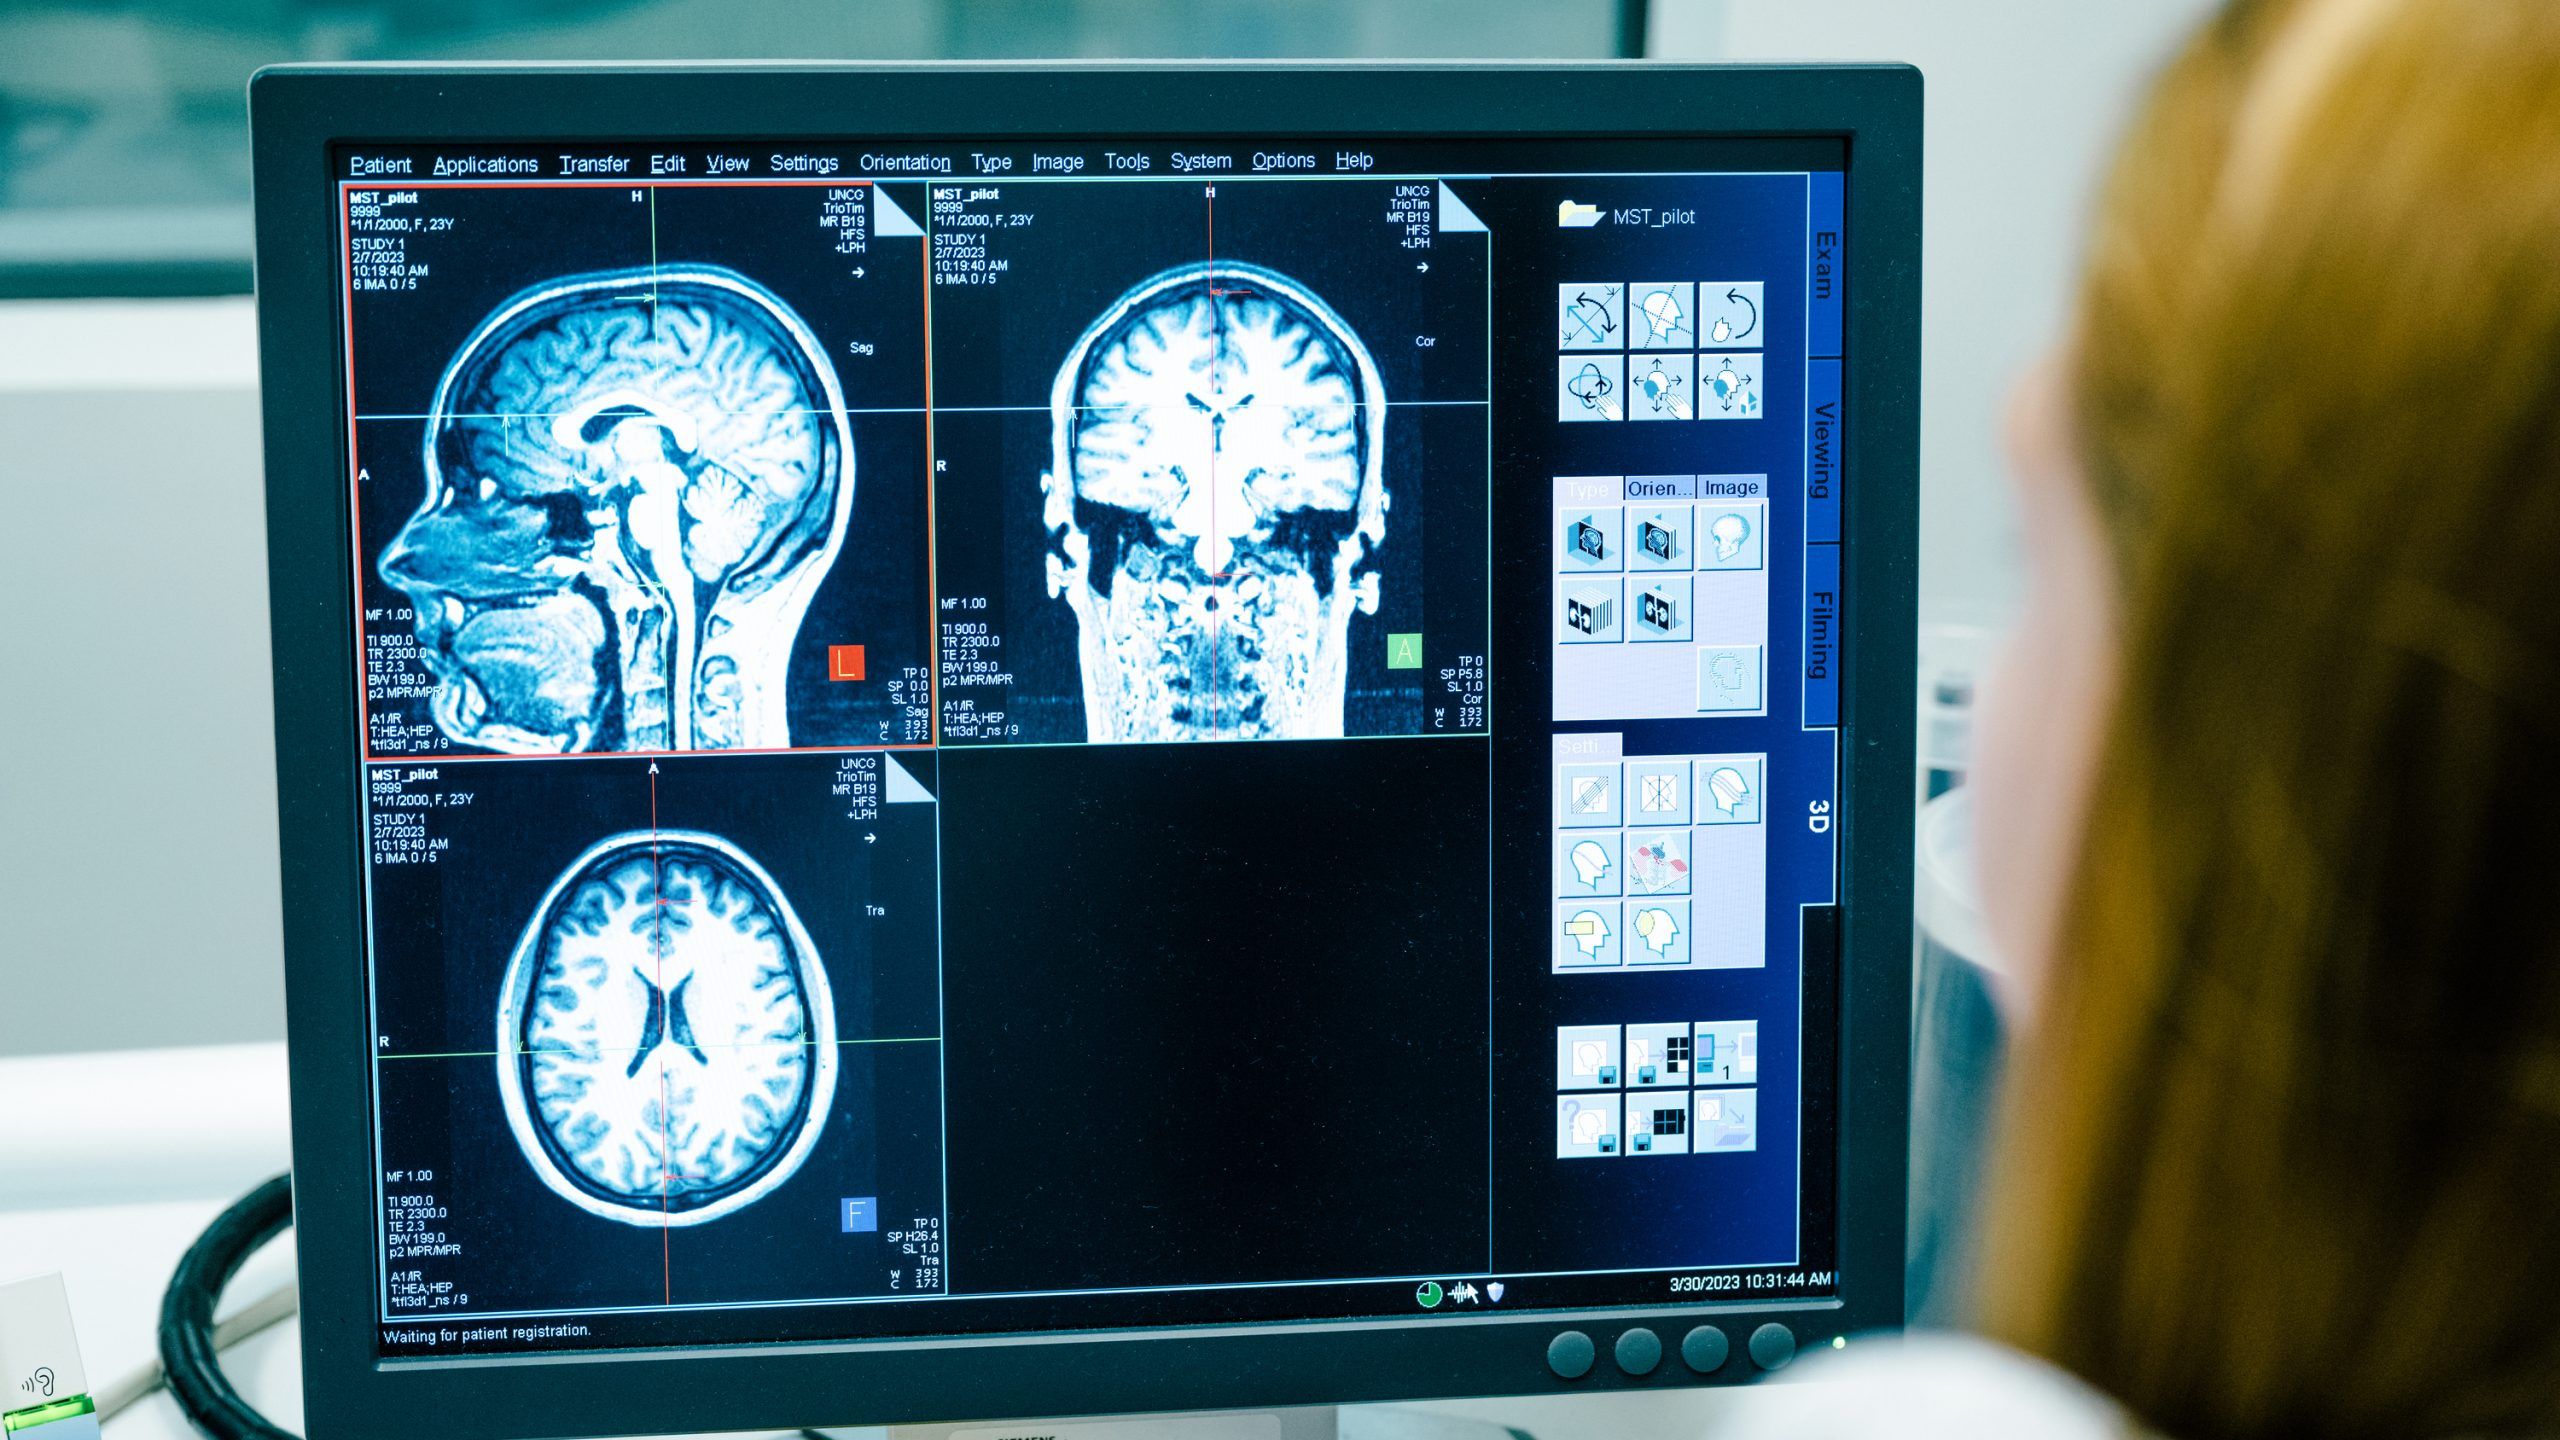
1705	1349
1772	1346
1639	1350
1570	1355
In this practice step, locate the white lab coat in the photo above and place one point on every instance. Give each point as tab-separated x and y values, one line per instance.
1929	1386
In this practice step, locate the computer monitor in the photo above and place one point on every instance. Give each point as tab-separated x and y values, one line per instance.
1011	741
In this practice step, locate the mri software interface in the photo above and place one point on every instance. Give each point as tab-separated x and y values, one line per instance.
993	737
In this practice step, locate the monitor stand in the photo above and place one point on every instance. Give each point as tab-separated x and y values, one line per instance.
1322	1422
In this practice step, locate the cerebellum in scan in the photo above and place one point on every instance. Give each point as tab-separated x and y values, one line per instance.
635	482
666	1034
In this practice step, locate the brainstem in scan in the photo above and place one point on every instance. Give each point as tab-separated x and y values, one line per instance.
635	483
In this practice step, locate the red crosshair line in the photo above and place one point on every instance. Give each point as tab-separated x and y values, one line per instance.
1217	354
668	1174
666	1124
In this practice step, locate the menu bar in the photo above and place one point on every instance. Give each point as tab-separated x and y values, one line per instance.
680	162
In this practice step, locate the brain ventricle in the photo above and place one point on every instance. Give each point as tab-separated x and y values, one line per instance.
1219	437
614	397
657	451
668	1028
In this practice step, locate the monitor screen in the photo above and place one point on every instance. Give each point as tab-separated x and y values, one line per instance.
979	736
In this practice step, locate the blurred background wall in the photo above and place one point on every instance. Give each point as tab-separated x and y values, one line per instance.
137	832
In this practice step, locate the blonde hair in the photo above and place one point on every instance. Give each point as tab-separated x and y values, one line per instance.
2283	1154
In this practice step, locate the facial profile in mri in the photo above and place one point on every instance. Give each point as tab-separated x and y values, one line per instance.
635	482
666	1036
1214	500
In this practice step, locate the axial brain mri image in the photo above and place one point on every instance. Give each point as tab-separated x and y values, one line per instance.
1214	494
666	1035
635	481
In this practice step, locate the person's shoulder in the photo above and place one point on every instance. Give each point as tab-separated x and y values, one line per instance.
1928	1387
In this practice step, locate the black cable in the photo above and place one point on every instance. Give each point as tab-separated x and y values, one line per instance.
194	1369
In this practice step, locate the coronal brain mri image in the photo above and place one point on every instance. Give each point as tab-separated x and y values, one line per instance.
635	482
666	1035
1215	491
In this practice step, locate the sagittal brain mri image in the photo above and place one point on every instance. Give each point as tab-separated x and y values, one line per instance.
1215	489
666	1035
636	480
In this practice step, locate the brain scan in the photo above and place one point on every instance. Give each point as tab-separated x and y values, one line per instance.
666	1039
635	482
1213	502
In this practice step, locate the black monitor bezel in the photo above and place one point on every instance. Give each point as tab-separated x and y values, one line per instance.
301	114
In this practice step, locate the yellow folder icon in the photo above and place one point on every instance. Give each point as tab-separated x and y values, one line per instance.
1574	215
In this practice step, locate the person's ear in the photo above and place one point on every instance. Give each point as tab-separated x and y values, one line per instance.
2040	724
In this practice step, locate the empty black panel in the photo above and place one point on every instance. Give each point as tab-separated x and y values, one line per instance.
1216	1014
